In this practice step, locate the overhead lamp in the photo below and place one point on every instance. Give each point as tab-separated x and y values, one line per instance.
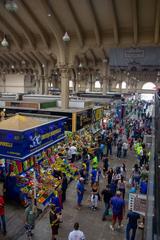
4	42
43	65
11	5
49	15
66	37
12	66
80	65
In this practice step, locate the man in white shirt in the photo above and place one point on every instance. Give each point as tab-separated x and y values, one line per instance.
76	234
125	149
73	151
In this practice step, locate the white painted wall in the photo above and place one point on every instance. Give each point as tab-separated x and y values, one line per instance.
14	83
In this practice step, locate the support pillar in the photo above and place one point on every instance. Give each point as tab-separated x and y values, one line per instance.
4	82
77	82
64	87
46	85
106	73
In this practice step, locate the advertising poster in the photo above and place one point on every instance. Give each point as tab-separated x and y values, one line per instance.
20	144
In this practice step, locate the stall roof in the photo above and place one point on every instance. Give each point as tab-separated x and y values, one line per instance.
21	122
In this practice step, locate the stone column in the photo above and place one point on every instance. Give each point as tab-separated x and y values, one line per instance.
46	85
106	72
37	83
64	87
77	82
4	82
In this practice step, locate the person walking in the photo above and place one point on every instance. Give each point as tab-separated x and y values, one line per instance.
64	186
2	214
131	225
76	234
94	196
121	186
30	215
54	221
110	174
119	148
107	195
125	149
80	192
118	210
105	164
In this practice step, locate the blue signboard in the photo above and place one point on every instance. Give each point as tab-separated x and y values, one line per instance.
21	144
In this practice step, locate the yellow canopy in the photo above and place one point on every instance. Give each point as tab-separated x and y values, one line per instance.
20	122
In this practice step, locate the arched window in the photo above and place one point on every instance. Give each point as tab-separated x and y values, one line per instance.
124	85
149	86
97	84
117	86
70	83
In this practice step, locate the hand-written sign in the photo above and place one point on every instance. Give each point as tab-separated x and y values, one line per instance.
138	203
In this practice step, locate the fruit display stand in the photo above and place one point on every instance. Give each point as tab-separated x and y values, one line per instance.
23	141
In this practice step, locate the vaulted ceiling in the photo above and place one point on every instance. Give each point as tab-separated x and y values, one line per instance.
35	30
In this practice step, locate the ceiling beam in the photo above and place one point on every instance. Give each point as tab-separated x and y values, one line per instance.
53	23
75	22
115	22
16	38
24	28
85	59
157	23
95	21
36	59
10	58
36	22
18	60
25	58
53	60
4	60
42	58
93	56
135	20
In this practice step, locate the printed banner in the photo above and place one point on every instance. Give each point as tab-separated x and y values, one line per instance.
20	144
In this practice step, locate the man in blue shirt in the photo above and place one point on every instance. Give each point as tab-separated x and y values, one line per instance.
80	192
118	209
132	225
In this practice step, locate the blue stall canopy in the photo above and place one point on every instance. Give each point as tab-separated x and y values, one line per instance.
24	135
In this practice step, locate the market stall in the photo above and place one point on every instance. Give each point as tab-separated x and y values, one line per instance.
29	156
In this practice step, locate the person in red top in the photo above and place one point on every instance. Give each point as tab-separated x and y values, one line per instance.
2	215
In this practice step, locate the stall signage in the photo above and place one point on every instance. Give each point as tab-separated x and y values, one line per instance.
22	144
97	114
83	118
138	203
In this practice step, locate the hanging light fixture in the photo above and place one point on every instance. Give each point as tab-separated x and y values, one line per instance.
4	42
66	37
80	65
11	5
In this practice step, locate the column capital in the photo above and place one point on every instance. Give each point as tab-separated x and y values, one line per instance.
65	67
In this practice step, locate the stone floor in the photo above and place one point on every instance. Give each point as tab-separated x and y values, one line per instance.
90	221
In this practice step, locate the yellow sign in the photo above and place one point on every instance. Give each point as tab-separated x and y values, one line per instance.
98	114
50	134
6	144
